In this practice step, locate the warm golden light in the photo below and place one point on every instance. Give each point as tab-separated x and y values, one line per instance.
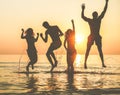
79	39
32	15
78	60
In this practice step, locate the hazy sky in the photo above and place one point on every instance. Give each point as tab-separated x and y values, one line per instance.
17	14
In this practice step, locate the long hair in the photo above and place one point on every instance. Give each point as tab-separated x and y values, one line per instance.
29	32
68	33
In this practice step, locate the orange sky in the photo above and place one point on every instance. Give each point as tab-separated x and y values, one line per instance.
17	14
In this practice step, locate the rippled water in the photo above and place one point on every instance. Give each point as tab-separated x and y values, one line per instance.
102	81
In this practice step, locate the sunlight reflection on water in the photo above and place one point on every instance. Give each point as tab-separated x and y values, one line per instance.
40	79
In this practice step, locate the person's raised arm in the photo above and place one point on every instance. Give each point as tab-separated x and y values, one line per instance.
37	37
104	11
22	35
82	14
73	25
46	37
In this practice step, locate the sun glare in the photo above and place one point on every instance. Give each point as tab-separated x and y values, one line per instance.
78	60
79	39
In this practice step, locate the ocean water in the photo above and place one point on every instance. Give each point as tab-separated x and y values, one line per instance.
92	81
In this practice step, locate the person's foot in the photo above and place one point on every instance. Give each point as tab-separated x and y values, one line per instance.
56	62
52	68
85	66
32	66
103	66
27	68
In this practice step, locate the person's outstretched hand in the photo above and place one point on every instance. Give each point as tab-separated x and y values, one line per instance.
37	34
22	30
83	6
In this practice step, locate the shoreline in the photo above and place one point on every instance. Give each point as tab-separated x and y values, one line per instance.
107	91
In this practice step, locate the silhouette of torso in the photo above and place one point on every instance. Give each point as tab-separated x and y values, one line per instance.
94	26
71	41
31	43
53	31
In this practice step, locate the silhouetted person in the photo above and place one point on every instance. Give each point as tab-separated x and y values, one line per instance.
31	51
70	47
94	34
54	32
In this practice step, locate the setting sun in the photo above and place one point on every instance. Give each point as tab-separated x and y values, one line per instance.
17	14
79	39
78	60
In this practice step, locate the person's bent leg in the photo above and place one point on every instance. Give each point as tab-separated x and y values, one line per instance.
49	58
27	67
33	62
48	54
55	46
55	60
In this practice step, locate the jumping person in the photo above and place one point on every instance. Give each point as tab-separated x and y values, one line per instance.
70	47
94	34
55	34
31	51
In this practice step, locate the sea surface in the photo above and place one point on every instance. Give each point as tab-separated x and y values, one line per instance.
92	81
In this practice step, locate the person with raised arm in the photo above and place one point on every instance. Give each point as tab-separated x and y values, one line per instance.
31	51
94	36
69	44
